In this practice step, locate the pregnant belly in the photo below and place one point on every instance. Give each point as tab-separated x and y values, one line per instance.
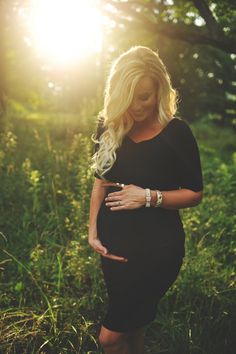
140	232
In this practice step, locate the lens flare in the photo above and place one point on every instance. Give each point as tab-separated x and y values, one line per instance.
65	30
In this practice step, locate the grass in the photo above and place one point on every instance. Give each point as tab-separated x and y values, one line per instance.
52	293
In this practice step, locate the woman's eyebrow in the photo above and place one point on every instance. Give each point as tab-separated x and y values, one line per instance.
144	93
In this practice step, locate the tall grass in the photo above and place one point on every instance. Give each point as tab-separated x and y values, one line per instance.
52	294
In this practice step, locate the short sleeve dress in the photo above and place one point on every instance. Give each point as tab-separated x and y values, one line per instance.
151	238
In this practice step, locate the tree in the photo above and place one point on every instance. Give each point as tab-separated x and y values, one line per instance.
197	21
204	33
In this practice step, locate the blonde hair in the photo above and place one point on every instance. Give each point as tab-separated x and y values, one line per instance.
125	73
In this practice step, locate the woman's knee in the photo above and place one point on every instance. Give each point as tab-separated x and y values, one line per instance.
109	338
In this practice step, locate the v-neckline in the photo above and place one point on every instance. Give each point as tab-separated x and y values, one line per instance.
154	137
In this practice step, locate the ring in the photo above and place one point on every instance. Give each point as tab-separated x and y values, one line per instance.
120	184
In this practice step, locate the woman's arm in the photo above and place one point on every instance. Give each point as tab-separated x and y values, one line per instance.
178	199
97	196
132	197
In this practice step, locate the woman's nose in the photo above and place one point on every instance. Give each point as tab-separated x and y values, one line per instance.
136	106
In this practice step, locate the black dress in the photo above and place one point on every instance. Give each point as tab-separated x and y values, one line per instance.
151	238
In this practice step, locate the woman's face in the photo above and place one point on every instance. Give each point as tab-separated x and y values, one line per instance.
144	103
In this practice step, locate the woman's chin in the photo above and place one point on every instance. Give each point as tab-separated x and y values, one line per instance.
139	117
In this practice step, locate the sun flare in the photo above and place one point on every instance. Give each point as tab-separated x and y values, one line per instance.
65	30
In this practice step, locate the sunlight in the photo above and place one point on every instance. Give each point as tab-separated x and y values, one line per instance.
65	31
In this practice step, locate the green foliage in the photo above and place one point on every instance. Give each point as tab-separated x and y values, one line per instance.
52	295
200	57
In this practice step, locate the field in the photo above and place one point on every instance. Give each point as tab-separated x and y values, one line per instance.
52	293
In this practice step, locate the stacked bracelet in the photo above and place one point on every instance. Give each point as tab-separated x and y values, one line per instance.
148	197
159	199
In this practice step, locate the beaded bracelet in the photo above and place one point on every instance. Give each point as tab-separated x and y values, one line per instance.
159	199
148	197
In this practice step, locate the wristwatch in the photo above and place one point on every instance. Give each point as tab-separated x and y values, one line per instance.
148	197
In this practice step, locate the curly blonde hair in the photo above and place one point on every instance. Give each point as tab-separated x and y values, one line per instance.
125	73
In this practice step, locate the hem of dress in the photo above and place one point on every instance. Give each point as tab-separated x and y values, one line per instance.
122	330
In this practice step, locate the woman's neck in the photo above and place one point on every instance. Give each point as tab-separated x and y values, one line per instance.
149	123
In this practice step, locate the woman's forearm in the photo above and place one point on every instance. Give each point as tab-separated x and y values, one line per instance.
178	199
97	196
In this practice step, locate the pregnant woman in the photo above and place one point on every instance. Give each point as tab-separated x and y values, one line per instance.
147	166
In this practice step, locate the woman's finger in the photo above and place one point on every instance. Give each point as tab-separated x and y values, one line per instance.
101	249
109	184
120	207
115	258
111	256
97	246
113	184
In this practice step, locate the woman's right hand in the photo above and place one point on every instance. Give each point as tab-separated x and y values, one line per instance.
96	244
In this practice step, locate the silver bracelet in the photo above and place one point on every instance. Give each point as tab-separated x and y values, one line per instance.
159	199
148	197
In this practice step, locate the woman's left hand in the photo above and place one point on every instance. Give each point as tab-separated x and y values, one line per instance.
130	197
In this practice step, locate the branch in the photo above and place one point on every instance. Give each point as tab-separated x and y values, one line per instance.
210	20
189	33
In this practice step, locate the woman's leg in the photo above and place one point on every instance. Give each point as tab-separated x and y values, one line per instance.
114	342
136	341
